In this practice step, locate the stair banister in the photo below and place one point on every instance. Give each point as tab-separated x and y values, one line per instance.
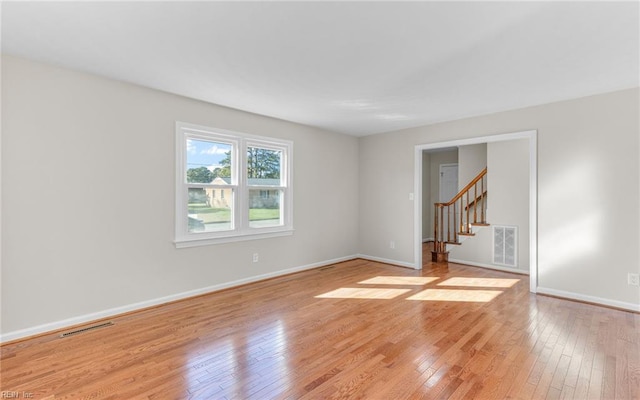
441	239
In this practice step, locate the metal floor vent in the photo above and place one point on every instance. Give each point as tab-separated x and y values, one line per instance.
505	245
88	328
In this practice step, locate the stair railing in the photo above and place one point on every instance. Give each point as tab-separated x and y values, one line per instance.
457	216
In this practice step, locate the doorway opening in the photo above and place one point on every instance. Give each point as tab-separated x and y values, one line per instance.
418	190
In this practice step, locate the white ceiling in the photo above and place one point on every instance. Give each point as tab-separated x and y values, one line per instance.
353	67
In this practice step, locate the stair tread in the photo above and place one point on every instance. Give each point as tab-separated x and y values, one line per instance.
480	224
466	234
453	243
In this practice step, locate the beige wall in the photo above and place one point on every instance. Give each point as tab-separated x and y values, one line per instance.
472	160
101	153
588	191
508	184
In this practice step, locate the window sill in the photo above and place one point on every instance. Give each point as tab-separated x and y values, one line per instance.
200	241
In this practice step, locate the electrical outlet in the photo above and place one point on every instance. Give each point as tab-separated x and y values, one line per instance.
633	279
255	257
392	244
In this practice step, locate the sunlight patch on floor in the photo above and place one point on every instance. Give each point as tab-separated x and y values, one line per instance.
477	296
363	293
400	280
480	282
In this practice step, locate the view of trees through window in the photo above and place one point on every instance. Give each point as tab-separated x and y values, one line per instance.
211	198
263	179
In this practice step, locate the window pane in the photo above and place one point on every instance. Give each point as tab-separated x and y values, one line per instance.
207	213
208	160
263	166
264	208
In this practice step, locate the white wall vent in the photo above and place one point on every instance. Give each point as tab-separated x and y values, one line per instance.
505	243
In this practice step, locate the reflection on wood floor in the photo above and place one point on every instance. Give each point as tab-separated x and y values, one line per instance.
357	329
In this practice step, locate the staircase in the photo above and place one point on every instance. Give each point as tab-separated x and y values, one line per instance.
460	218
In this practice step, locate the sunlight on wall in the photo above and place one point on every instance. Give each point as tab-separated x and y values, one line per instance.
363	293
476	296
400	280
574	224
570	242
480	282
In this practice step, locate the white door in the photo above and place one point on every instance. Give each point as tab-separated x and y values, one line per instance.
448	189
448	182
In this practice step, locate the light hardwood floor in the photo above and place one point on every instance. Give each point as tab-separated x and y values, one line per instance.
357	329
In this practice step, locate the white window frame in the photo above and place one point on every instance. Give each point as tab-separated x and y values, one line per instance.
240	229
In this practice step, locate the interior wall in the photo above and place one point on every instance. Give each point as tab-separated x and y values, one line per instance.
509	188
472	160
588	190
88	168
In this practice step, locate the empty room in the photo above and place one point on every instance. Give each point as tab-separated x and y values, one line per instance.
309	200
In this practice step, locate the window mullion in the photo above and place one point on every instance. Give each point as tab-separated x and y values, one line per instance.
242	212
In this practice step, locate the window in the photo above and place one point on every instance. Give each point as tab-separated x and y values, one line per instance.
252	176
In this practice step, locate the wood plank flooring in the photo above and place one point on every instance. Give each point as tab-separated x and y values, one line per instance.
354	330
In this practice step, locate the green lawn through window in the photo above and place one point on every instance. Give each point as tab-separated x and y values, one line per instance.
210	215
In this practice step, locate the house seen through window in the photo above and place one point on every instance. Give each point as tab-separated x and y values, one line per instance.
230	185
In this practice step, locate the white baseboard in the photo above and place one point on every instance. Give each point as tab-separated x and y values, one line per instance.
490	266
388	261
112	312
558	293
589	299
429	239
